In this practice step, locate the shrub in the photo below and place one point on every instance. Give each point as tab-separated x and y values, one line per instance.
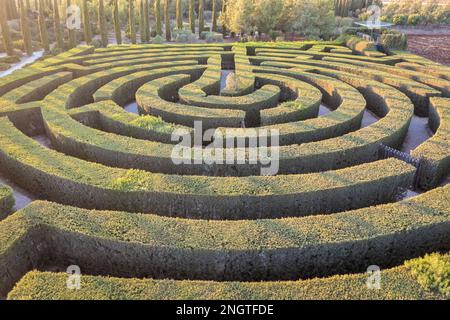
400	19
414	19
152	123
158	40
97	43
432	272
355	30
6	200
394	40
4	66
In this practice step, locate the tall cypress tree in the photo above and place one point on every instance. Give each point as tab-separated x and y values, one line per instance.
57	25
72	32
102	23
26	34
43	27
117	30
179	10
158	17
146	21
142	21
87	23
224	12
167	20
131	24
11	9
214	16
192	15
7	43
201	16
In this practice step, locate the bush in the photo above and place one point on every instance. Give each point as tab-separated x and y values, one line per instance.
158	40
212	37
432	272
414	19
391	40
184	36
355	30
97	43
400	19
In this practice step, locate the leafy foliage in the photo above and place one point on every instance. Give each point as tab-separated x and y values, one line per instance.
432	272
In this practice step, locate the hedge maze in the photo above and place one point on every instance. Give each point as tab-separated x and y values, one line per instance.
141	225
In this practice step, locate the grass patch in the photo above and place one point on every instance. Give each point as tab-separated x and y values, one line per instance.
149	122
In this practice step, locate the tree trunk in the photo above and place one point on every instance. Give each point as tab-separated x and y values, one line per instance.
131	22
224	12
214	16
158	17
87	23
179	10
142	21
167	20
201	16
43	27
73	41
146	21
117	30
7	43
102	23
192	15
24	26
57	25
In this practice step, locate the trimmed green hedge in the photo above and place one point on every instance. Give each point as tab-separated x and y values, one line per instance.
317	55
253	250
6	200
347	101
155	97
51	175
110	117
436	149
419	93
439	84
122	90
37	89
396	284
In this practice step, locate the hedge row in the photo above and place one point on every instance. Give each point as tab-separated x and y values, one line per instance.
37	89
317	55
355	147
418	93
397	283
58	177
6	200
122	90
110	55
243	69
110	117
434	82
347	101
71	137
436	149
207	84
290	158
264	98
282	249
437	71
301	100
155	98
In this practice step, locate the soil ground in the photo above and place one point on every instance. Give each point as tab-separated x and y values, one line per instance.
431	42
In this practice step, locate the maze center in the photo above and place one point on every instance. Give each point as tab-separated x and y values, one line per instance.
88	134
